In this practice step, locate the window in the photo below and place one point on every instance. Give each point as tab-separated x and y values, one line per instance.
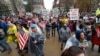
37	1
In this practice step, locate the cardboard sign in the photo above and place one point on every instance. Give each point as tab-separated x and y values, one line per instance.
74	14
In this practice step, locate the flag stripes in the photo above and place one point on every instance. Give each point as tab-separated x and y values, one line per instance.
22	40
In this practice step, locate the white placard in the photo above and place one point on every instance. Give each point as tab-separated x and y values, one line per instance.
97	20
74	14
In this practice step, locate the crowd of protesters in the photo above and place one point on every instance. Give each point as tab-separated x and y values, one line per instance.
28	33
85	31
25	31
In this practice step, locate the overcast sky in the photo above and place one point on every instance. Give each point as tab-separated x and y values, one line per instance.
48	4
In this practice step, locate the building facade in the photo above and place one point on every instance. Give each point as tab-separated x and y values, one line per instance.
63	2
62	5
37	5
17	5
13	6
4	9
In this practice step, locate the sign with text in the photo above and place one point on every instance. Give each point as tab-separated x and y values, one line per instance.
97	20
74	14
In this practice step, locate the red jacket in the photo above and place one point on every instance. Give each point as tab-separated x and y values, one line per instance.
95	38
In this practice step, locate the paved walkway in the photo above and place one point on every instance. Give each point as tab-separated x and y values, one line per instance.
52	48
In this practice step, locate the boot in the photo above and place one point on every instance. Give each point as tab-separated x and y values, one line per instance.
92	48
99	49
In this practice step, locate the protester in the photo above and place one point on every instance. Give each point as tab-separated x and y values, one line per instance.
29	23
42	25
96	33
71	25
88	31
77	40
74	25
3	25
59	25
54	26
65	33
73	51
36	41
64	20
12	30
38	29
95	38
48	28
79	24
22	33
3	42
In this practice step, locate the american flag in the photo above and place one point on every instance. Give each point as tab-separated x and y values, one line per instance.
36	20
42	25
22	40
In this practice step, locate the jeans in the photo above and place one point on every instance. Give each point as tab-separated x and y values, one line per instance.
48	33
4	45
53	32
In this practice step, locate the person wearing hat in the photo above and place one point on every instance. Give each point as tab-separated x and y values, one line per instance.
36	41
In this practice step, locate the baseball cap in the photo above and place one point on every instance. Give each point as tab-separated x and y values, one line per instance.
33	25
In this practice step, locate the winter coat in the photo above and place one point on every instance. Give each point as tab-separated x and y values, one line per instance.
48	26
12	37
95	37
88	33
64	34
39	38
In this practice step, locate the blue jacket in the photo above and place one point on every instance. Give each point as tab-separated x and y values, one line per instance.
3	25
